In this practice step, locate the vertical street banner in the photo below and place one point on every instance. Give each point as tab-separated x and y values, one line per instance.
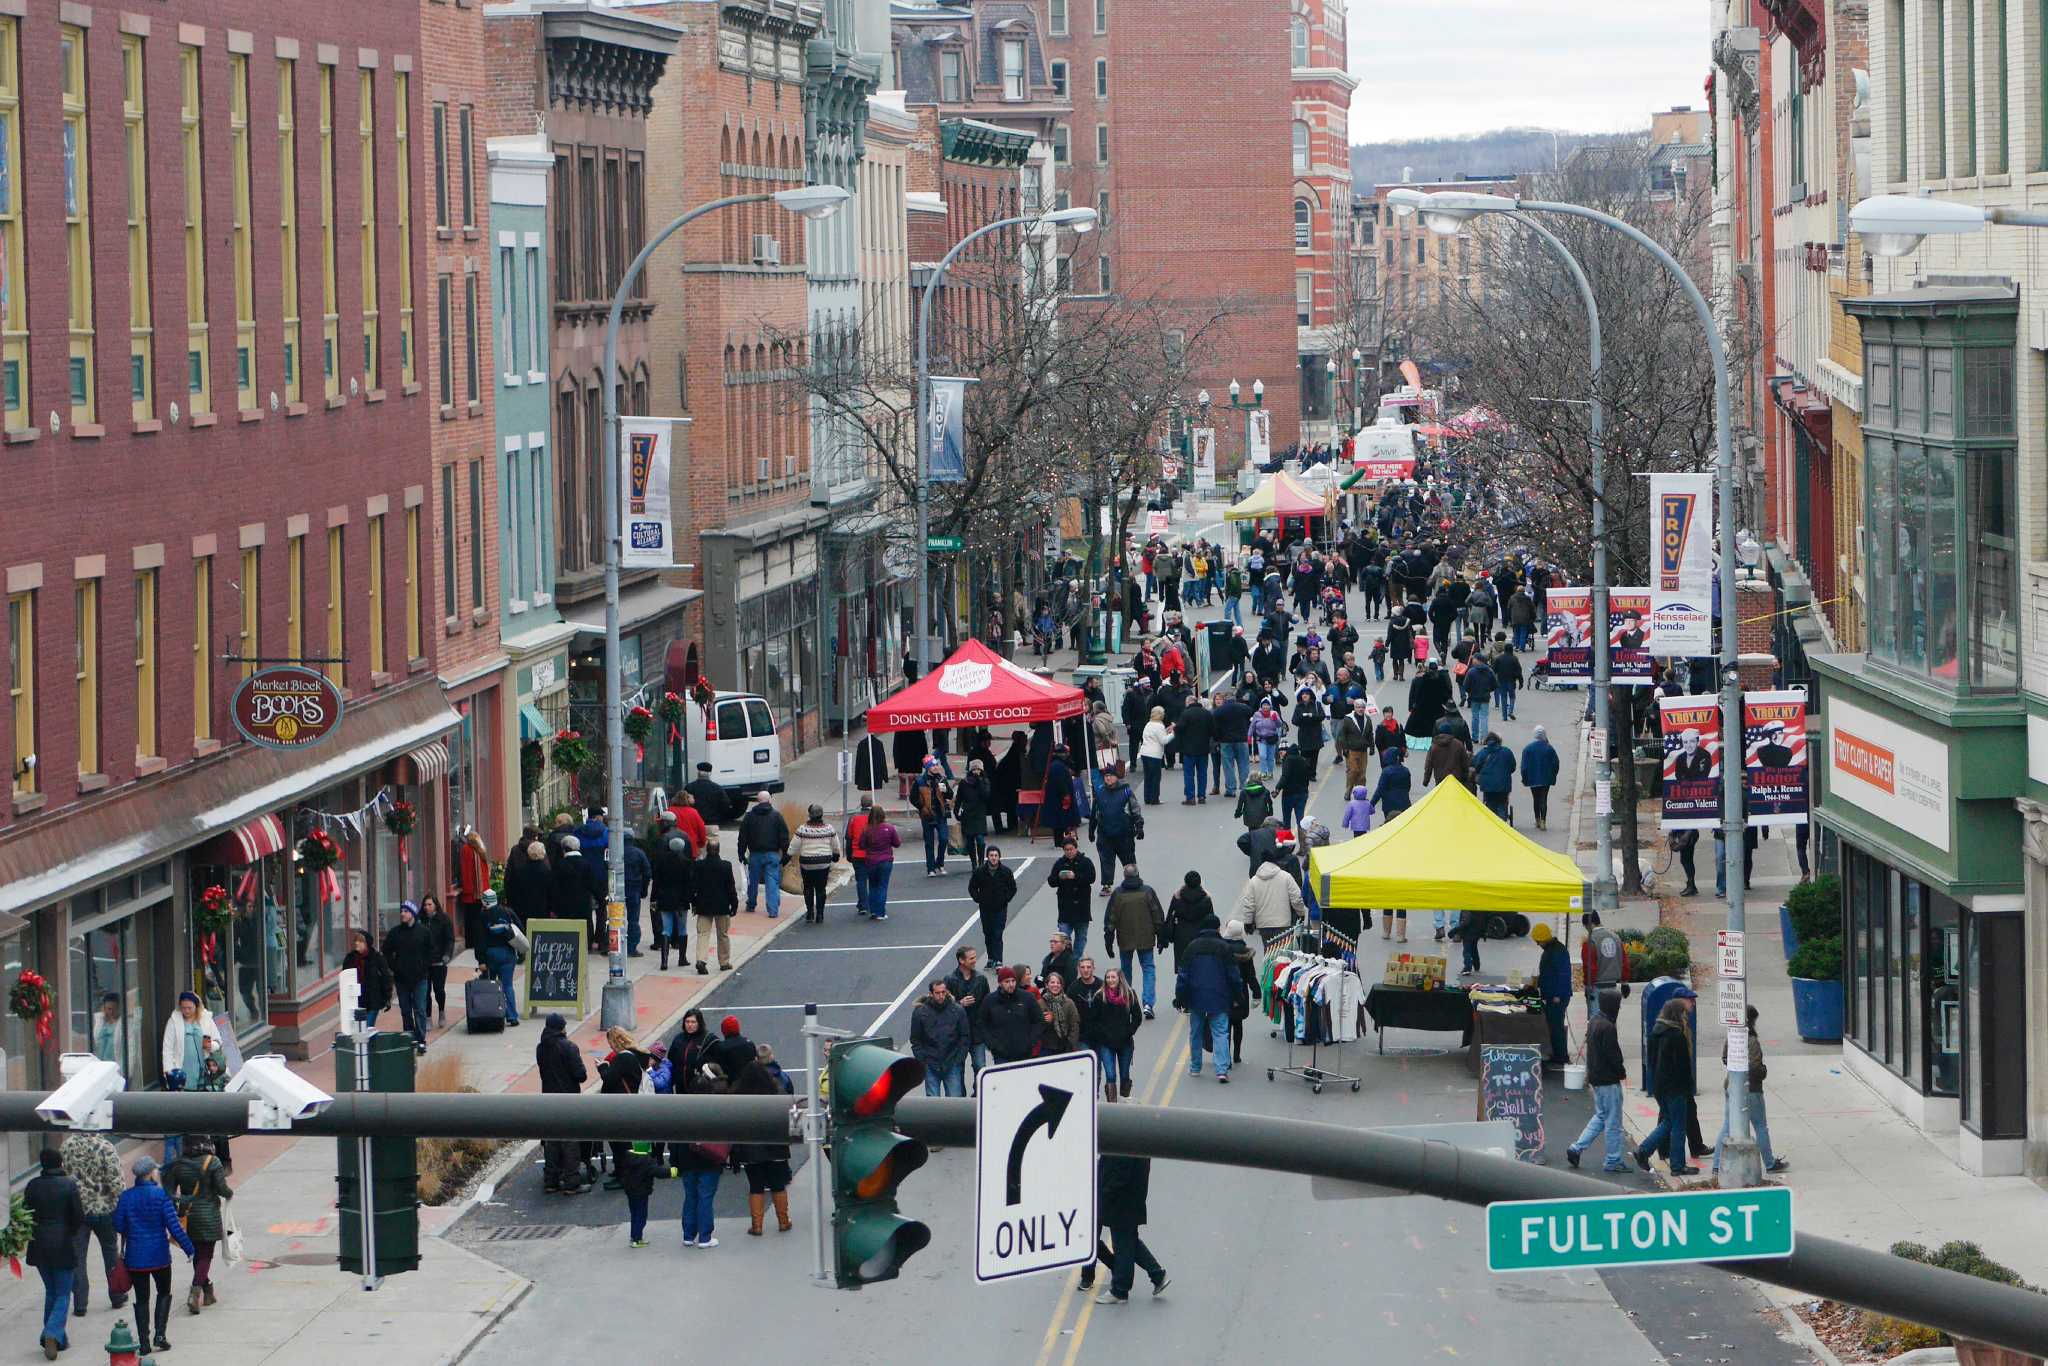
1682	584
1692	761
1204	440
946	425
1568	636
1258	436
646	533
1628	637
1774	758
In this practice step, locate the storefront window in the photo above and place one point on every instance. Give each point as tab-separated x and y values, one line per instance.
1994	1027
108	961
1912	1018
1990	531
462	801
1944	996
1862	868
26	1068
237	970
329	907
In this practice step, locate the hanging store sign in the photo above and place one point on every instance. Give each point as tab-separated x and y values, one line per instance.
286	706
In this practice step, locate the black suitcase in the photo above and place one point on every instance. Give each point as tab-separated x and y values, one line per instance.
483	1001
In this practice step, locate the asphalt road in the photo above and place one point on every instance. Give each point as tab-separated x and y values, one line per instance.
1262	1270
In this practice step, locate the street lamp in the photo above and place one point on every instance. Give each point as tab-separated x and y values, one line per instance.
1080	220
1444	213
1357	388
1896	224
1237	404
813	202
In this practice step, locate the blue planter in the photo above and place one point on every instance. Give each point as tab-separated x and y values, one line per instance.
1817	1008
1785	927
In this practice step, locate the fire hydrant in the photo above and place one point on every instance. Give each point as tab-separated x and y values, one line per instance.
123	1349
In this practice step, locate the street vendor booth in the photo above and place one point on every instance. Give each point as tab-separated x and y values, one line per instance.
1282	499
1445	853
976	687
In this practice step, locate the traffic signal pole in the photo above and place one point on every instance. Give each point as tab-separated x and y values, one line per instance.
1962	1306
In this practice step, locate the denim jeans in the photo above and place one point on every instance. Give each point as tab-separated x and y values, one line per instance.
878	889
1606	1120
1759	1122
1293	806
948	1081
102	1226
764	868
1237	765
508	974
632	924
1151	974
700	1189
934	846
1116	1061
1233	610
1521	637
1079	934
1194	777
56	1303
413	1007
1215	1029
1670	1131
1258	602
1269	755
1482	716
636	1215
1379	669
1504	698
1438	916
1130	1253
861	880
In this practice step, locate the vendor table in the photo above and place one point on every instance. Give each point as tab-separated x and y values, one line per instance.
1441	1011
1497	1027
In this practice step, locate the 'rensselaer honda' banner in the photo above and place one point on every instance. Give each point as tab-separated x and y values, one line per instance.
1682	578
1692	761
1774	758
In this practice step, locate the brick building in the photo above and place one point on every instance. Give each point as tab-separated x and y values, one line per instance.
1419	271
1320	161
461	369
217	452
583	75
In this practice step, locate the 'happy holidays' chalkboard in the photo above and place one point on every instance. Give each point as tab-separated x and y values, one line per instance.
554	965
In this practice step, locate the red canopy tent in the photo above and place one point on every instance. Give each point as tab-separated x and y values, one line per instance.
975	687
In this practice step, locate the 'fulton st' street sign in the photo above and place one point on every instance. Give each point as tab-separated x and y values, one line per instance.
1632	1230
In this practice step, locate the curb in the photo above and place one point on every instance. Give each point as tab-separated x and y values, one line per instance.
1804	1335
486	1323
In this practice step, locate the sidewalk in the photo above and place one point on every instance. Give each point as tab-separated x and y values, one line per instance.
1861	1171
288	1302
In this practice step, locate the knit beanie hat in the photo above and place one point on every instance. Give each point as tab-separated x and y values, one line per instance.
1193	879
729	1026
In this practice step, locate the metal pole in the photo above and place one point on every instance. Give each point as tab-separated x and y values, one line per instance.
366	1186
814	1146
1606	896
1740	1165
617	1008
1964	1306
924	435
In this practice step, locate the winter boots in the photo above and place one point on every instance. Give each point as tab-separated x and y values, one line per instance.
1387	925
757	1208
782	1222
1402	936
1109	1091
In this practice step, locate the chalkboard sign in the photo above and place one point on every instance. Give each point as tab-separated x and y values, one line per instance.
1511	1088
554	965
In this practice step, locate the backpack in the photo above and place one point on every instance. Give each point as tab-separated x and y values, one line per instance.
1610	963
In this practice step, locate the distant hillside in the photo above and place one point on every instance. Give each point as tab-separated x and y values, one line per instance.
1504	151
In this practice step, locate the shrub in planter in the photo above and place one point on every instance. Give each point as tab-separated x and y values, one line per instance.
1889	1334
1812	911
1817	998
1819	960
1665	953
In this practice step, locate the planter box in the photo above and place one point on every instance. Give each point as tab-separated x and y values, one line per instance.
1818	1007
1982	1354
1791	935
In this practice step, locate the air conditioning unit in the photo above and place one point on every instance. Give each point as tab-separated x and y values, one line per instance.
767	249
789	467
761	470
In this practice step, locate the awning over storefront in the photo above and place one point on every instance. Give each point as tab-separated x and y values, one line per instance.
151	820
532	725
638	605
428	762
246	844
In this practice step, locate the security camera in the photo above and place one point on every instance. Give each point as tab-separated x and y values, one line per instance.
277	1095
86	1099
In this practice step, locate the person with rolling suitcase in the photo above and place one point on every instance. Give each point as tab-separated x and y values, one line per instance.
491	1002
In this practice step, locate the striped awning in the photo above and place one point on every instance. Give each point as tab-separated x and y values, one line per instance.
246	844
429	762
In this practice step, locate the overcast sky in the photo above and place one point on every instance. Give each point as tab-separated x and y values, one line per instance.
1431	67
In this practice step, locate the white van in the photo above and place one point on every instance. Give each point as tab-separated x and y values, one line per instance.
736	736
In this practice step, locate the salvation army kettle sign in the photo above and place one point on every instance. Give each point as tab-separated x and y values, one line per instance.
286	707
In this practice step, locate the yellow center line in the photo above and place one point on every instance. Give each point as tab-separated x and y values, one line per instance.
1080	1332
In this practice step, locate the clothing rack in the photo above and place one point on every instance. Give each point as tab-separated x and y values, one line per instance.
1313	938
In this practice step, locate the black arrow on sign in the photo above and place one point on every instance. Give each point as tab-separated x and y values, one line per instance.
1046	1115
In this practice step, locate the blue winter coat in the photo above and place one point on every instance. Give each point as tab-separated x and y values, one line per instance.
1113	811
1391	794
1539	764
147	1219
1208	971
1494	768
499	951
639	872
1554	972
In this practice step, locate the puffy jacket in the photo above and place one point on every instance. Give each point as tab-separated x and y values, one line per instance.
59	1213
1494	767
763	831
1254	803
1114	810
1448	758
409	950
1134	919
940	1035
1539	764
147	1220
1271	900
198	1187
1554	972
1207	978
561	1064
499	951
1011	1024
1481	681
1112	1024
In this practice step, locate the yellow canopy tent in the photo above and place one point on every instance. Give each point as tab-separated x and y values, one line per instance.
1447	853
1281	496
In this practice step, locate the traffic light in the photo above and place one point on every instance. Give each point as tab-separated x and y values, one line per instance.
870	1240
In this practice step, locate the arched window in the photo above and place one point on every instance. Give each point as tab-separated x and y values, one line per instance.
1300	147
1304	232
1298	32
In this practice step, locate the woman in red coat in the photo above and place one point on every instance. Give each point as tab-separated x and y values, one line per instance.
472	880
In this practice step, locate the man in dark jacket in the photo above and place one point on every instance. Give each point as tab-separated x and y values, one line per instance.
1194	734
1231	719
940	1036
1010	1020
763	843
569	891
1605	1072
59	1213
715	898
672	871
1356	737
734	1051
1493	768
1539	774
993	888
1448	759
1073	882
709	797
1258	845
639	872
1190	911
528	885
1121	1186
562	1073
969	986
1297	775
1554	982
1113	825
409	952
1203	987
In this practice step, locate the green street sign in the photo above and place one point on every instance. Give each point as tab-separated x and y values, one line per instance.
939	543
1635	1230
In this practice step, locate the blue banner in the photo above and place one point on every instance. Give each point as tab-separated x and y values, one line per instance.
946	432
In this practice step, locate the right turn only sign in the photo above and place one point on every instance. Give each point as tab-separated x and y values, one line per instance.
1034	1198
